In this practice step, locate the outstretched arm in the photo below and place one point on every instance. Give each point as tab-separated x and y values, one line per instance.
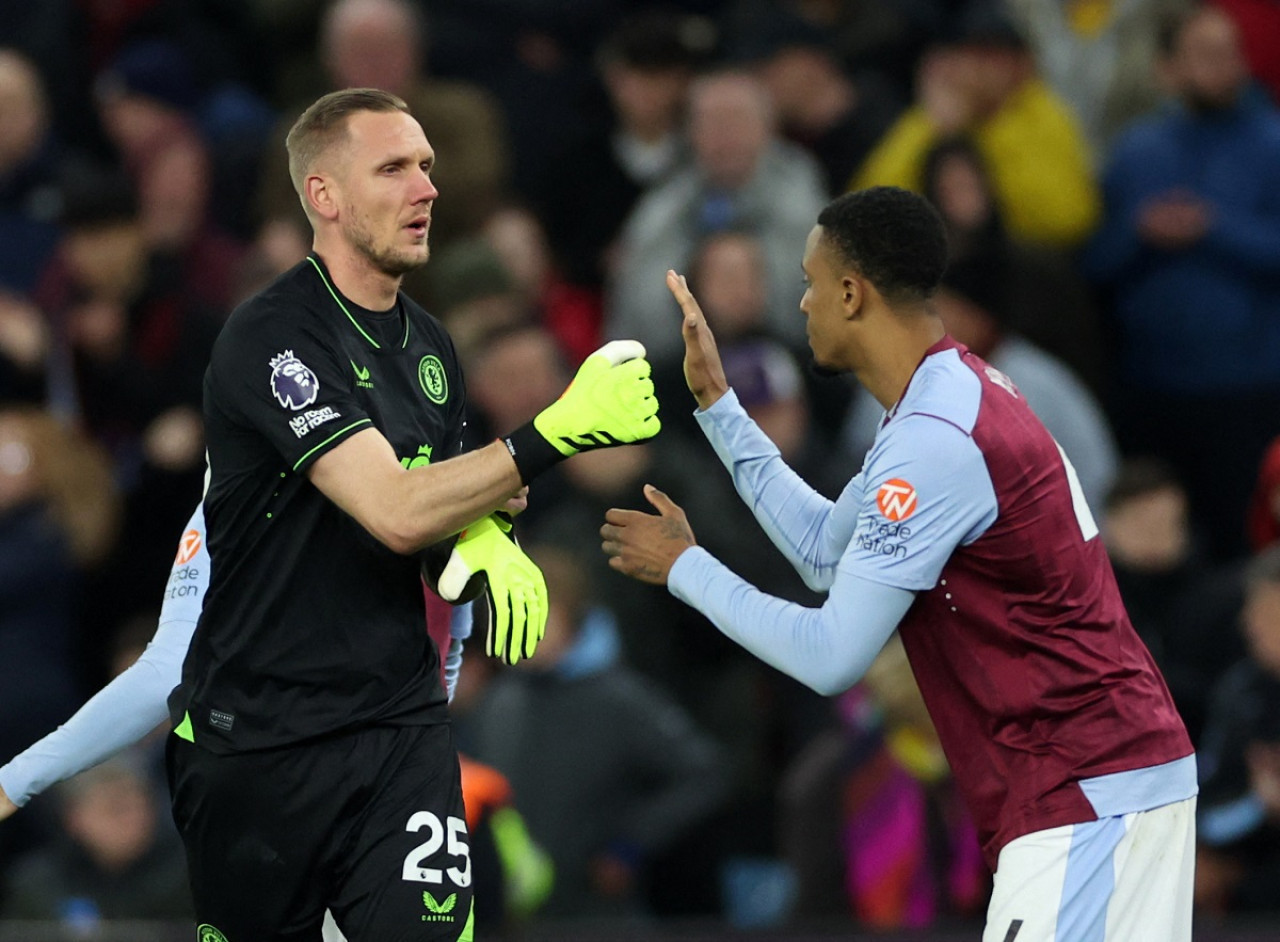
796	518
134	703
827	648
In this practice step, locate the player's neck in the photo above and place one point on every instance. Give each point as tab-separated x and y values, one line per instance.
887	374
357	278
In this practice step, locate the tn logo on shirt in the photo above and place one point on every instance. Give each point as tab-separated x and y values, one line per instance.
896	499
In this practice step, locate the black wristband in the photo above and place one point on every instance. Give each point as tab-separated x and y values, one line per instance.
532	453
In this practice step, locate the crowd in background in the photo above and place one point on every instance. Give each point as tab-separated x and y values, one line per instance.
1109	174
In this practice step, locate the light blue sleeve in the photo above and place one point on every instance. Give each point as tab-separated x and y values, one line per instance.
134	703
459	630
827	648
927	492
809	530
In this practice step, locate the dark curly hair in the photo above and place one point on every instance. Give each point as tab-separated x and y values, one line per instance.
892	237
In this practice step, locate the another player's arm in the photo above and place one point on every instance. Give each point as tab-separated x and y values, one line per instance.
129	707
831	647
796	518
827	648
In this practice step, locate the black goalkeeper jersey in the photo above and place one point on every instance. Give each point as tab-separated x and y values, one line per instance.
311	626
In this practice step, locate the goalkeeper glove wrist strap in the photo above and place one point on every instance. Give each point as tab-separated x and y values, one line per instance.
532	453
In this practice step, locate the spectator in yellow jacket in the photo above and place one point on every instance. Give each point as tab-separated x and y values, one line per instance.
982	82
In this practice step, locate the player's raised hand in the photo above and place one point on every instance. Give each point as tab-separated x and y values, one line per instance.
645	546
703	371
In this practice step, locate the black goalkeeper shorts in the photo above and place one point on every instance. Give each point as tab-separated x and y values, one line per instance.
369	825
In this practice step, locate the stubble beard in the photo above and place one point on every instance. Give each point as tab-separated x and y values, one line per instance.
386	260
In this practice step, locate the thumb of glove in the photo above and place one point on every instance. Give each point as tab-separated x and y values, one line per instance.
620	351
458	581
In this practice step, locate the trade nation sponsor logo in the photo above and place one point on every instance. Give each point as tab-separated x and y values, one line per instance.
887	535
896	499
188	547
437	912
184	579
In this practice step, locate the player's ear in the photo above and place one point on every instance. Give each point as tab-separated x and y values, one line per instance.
852	294
321	196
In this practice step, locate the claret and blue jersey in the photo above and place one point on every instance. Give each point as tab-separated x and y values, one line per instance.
967	531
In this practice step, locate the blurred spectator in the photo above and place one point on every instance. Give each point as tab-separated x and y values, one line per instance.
469	289
24	350
728	273
974	307
1264	507
512	373
571	313
58	517
871	823
1049	303
147	98
511	873
115	860
131	349
137	343
1100	57
866	35
1239	816
383	44
1259	24
634	776
982	82
1190	250
535	57
29	169
1184	611
645	66
759	715
836	116
743	177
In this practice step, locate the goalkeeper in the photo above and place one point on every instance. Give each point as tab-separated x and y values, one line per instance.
312	764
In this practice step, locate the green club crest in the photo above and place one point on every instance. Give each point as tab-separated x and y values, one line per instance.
432	378
207	933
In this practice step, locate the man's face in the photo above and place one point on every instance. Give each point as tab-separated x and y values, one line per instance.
824	303
1262	625
1208	64
729	130
384	190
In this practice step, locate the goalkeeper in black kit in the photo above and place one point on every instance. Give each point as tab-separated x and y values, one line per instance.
312	763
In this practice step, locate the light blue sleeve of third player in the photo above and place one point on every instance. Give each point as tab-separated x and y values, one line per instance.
809	530
135	702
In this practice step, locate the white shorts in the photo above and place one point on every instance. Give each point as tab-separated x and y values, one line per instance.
1121	878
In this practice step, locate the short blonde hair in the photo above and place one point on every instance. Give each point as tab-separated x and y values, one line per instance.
324	124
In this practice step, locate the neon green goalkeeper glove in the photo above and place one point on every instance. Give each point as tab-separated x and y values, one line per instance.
610	402
516	591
